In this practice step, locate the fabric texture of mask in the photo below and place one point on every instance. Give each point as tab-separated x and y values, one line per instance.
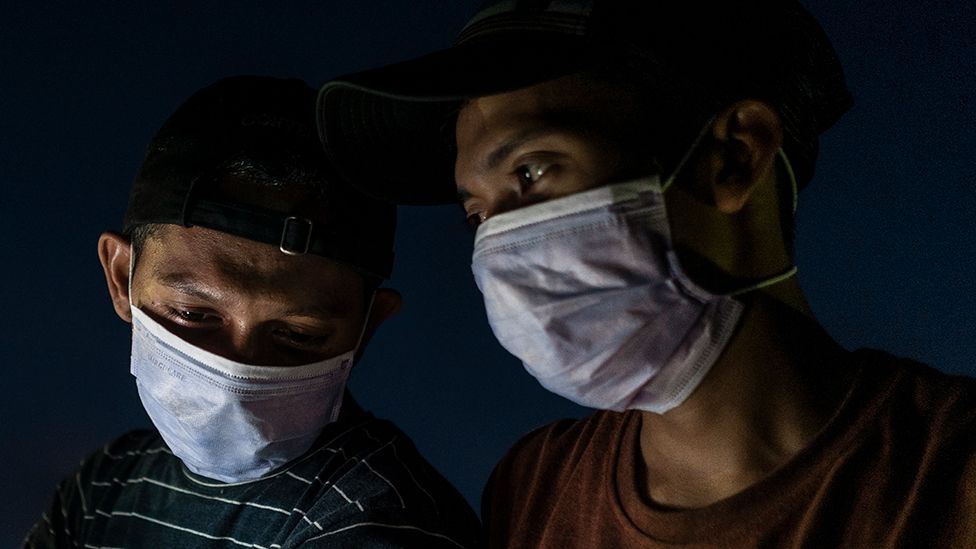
587	291
229	421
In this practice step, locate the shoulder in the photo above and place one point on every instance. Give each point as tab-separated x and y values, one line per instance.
565	442
920	413
381	465
120	462
560	464
124	454
95	485
552	454
916	389
372	485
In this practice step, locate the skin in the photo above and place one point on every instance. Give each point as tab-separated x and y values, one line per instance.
241	299
780	378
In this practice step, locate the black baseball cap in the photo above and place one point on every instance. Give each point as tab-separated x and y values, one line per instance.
263	128
390	130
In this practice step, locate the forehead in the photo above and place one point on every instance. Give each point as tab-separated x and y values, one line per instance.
244	265
575	92
571	103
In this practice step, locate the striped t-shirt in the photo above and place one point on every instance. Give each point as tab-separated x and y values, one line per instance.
363	485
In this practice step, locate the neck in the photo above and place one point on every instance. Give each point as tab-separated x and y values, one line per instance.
775	386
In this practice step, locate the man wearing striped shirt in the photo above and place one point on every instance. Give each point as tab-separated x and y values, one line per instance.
251	277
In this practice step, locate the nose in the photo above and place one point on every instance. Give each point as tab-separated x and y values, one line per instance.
240	342
506	201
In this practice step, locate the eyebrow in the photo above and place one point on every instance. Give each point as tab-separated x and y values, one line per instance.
554	122
184	283
498	155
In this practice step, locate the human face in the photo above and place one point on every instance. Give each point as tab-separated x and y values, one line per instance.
247	301
538	143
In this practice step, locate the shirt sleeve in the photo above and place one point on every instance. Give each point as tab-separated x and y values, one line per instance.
51	530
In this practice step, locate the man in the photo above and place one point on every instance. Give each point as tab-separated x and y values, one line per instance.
251	278
632	168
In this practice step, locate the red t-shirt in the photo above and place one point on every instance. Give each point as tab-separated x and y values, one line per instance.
894	467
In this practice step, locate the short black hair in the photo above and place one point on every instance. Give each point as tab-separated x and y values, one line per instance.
283	165
242	156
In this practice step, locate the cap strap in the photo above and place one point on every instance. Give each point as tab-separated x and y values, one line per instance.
293	235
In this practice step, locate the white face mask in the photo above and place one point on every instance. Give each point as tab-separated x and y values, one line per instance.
588	292
229	421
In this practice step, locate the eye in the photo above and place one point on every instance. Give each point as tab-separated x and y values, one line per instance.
530	173
299	339
189	317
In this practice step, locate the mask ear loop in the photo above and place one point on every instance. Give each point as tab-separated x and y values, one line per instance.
355	352
795	189
362	329
788	167
687	156
132	270
780	153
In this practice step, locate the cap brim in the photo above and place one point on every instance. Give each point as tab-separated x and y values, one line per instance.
390	131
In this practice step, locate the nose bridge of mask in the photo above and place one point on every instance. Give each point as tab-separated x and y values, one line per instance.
224	372
568	206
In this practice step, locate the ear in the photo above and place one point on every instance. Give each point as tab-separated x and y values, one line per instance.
386	303
113	252
747	133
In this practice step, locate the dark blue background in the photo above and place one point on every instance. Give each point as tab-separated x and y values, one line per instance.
885	239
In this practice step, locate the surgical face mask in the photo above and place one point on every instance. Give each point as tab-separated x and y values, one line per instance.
587	291
229	421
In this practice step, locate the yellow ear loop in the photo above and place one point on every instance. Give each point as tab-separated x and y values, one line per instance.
684	159
794	188
780	153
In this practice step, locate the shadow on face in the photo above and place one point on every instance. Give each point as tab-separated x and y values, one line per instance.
246	300
538	143
572	134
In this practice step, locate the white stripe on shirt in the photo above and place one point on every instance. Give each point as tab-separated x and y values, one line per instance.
191	493
345	497
134	453
409	472
180	528
381	525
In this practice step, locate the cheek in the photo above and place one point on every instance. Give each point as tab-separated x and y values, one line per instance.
596	164
605	163
141	295
345	340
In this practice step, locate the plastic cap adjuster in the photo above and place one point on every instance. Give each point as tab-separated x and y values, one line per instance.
296	236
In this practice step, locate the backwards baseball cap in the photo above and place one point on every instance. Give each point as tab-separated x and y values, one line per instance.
390	130
241	156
